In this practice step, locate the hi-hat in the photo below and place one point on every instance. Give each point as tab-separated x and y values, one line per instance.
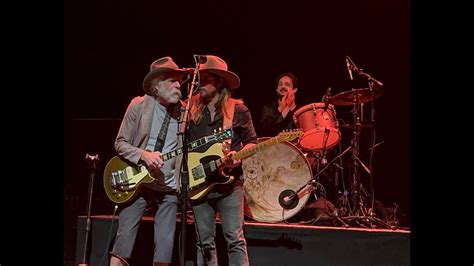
354	96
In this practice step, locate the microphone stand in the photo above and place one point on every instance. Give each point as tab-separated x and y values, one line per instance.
92	162
184	176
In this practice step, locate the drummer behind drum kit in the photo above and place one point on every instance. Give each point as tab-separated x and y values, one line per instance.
279	179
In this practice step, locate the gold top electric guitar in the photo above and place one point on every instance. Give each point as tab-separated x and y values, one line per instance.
123	179
204	168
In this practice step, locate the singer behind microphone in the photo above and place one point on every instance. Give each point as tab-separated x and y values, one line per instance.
213	108
278	115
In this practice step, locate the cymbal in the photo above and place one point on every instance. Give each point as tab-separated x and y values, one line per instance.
354	96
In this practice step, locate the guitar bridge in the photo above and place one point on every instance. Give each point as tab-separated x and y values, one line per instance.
120	179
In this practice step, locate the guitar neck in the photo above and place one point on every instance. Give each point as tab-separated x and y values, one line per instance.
250	151
191	146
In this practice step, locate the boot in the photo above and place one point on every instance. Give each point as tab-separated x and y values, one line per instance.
116	260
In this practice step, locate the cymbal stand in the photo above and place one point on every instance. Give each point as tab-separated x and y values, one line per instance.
355	154
359	212
371	81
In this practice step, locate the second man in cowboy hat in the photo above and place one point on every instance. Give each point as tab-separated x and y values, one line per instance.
213	108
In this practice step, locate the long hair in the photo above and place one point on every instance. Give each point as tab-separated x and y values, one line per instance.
198	105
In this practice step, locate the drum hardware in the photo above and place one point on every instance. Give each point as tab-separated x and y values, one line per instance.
375	146
357	97
351	126
321	155
354	207
347	98
326	98
292	195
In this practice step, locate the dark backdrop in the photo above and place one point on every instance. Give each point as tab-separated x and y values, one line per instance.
109	46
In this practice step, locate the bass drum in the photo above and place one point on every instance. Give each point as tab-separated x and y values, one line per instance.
275	184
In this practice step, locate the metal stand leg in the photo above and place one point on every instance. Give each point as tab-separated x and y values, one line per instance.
92	162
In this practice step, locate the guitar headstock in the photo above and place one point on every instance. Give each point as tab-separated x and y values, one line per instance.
223	134
290	135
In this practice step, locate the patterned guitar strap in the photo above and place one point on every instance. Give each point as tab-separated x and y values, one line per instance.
160	141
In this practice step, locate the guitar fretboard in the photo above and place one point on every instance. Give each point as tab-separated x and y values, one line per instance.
172	154
191	146
198	143
250	151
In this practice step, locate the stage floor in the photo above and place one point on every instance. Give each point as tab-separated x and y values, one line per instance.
268	243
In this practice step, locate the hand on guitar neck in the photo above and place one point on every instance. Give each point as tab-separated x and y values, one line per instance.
152	159
229	162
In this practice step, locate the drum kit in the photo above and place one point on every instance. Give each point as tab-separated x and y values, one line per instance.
279	180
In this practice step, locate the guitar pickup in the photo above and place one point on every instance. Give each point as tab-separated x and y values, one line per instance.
198	172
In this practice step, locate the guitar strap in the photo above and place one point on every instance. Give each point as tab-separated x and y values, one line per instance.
229	113
160	141
229	108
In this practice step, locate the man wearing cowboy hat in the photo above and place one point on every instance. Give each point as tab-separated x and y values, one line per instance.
149	129
213	108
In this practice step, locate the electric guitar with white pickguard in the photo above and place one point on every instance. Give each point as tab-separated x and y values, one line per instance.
205	169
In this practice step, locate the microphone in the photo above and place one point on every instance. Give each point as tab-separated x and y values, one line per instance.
288	199
349	67
380	84
326	99
185	80
187	77
200	58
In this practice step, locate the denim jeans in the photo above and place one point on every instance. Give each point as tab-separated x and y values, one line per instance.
231	209
164	226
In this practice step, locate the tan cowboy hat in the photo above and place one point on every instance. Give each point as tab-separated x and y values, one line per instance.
161	66
215	65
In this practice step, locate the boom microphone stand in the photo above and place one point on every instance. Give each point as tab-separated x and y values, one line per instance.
183	176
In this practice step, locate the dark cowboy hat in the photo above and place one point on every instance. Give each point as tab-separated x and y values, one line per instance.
215	65
162	66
